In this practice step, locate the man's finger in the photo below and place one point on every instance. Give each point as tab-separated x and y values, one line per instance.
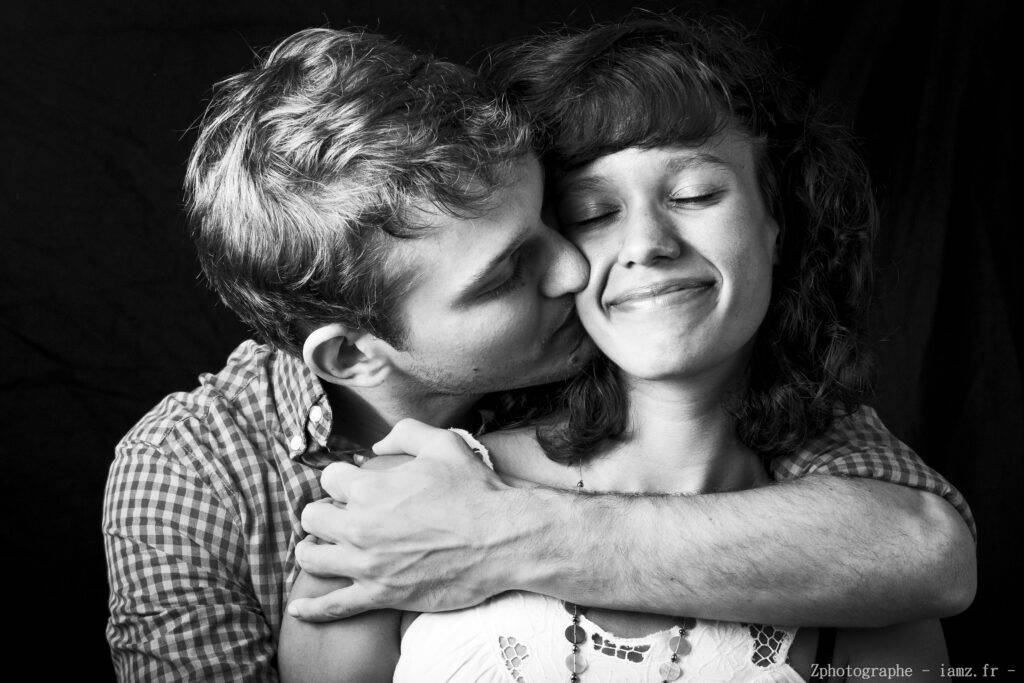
337	477
413	437
338	604
330	560
325	520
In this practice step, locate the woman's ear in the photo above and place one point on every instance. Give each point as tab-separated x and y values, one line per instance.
341	355
776	243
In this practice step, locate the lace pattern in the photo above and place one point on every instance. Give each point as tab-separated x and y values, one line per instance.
630	653
514	654
768	642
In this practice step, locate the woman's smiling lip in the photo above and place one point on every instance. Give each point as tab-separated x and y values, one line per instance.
691	285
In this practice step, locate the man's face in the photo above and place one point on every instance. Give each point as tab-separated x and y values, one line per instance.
491	304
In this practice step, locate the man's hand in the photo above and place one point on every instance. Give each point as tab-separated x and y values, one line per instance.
419	537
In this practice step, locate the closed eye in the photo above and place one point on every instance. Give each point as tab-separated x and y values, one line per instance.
510	283
703	199
588	221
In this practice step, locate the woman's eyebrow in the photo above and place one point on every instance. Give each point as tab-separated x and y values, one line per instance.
683	162
690	161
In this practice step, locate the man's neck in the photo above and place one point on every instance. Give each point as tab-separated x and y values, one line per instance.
366	414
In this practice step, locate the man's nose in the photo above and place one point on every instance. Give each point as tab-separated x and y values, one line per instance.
567	270
649	236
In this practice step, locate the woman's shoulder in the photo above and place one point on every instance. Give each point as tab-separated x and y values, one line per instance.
516	440
519	459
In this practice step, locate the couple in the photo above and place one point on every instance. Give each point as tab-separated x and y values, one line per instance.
380	215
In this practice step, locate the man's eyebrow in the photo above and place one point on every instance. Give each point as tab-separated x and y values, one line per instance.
487	269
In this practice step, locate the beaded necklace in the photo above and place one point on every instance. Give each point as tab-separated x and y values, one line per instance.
576	663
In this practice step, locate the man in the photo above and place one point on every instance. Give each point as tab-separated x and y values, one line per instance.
378	213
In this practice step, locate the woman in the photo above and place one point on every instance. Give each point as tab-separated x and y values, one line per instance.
728	231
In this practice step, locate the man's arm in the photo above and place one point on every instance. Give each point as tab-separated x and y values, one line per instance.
859	445
180	605
445	532
815	551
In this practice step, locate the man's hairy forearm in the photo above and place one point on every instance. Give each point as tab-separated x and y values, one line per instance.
817	551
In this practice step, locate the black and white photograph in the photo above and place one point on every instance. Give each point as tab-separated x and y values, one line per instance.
583	341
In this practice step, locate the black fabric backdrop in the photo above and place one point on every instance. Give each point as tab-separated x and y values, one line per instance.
101	311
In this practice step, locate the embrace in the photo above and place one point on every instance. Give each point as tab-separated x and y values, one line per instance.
598	311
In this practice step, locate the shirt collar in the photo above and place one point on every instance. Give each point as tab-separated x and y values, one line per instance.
303	410
305	415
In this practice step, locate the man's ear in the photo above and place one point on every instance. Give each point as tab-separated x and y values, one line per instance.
340	355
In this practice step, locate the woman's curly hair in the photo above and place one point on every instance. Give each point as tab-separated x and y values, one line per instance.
661	81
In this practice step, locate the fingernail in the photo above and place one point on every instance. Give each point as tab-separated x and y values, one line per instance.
293	610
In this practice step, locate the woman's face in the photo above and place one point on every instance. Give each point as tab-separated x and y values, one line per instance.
681	248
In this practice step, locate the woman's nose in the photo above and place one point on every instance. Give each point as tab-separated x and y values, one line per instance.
567	268
649	237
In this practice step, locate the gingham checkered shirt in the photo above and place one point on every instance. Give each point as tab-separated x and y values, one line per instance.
202	506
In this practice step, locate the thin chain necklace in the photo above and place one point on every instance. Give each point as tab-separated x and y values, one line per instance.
577	663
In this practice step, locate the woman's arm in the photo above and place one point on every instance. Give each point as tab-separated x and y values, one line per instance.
917	647
361	648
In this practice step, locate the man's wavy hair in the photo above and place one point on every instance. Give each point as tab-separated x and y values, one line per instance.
661	81
305	165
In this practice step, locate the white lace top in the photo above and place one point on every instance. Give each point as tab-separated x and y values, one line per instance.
519	637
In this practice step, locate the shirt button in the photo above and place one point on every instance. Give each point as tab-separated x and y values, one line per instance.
316	414
296	443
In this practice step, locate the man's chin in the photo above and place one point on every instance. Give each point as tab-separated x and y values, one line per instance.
571	364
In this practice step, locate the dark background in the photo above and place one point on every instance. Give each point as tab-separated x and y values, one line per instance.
101	311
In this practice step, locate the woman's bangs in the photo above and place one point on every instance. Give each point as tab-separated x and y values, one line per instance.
638	101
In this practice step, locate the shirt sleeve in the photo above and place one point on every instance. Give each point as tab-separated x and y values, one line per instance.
859	445
180	606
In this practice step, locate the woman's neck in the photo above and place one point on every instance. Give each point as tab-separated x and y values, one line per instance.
680	440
